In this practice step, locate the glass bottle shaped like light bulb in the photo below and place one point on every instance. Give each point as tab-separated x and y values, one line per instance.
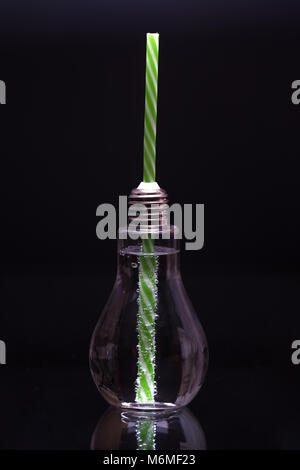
148	350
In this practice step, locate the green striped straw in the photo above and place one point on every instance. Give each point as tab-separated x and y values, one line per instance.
150	107
146	385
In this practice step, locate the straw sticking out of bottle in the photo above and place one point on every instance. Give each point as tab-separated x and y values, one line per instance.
150	106
145	384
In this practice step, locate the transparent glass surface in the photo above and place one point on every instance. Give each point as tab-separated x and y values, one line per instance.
181	355
138	430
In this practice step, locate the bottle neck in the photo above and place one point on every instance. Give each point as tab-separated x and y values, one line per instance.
154	243
149	233
164	252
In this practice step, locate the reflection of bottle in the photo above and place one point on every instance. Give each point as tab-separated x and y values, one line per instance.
148	350
138	430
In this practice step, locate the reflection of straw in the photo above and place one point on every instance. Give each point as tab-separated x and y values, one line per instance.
145	385
145	435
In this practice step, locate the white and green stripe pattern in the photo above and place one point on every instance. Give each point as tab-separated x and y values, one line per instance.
150	107
146	385
145	434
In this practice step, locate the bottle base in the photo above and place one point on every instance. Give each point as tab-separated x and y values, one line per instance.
155	406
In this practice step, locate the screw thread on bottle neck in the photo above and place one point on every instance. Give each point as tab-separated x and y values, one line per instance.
154	208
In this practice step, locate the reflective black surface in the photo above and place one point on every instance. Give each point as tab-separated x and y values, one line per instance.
122	429
250	399
61	409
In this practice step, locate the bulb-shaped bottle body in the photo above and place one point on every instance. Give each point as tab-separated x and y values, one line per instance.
148	350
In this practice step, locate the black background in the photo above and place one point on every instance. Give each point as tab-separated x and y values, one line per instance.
71	138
